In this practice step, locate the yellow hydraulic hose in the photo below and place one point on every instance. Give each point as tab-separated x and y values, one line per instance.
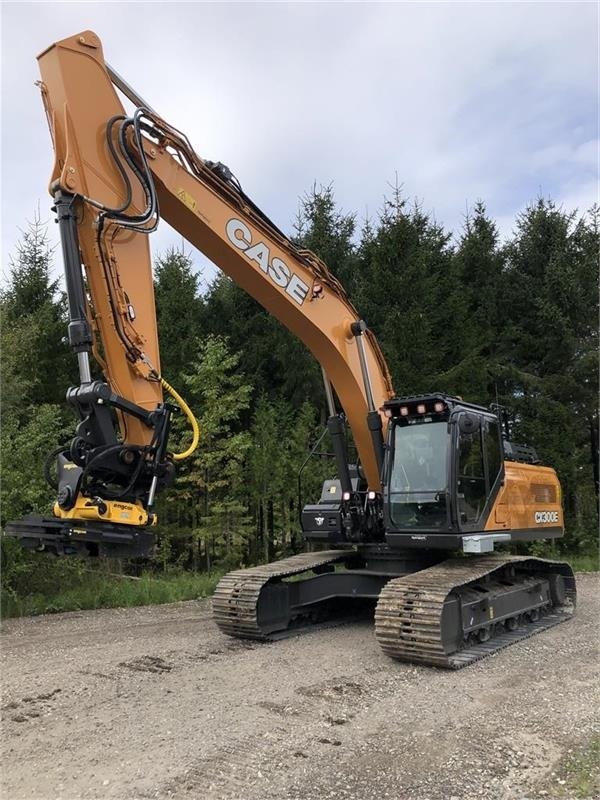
191	419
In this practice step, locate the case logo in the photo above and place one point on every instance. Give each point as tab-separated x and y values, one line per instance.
240	235
319	520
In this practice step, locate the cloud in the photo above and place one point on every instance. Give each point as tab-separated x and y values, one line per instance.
463	101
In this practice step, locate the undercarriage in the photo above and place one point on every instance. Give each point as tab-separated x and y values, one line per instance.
428	610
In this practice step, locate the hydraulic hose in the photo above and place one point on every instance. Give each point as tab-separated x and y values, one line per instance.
191	419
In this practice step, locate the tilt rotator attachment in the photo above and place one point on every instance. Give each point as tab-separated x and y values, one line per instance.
105	489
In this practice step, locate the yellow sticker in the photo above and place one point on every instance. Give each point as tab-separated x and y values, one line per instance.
186	198
491	612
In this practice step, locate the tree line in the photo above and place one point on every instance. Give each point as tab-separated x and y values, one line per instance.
512	322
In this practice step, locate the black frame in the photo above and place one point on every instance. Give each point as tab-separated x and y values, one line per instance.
491	491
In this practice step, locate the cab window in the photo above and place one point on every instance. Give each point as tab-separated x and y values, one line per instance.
471	476
492	451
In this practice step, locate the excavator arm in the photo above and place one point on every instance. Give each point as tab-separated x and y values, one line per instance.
115	174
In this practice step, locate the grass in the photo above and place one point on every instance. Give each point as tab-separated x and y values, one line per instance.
579	774
583	563
103	591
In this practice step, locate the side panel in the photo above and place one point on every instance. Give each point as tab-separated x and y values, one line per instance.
529	499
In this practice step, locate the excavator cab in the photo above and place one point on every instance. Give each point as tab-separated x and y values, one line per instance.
442	471
444	466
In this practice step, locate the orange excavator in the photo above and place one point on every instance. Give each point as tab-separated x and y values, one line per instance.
437	484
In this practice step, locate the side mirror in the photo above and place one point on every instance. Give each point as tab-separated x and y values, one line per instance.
469	423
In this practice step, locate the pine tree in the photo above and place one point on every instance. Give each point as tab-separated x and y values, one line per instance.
306	473
274	358
404	288
37	369
267	478
478	311
37	365
211	490
586	241
23	447
281	440
262	341
179	311
322	227
550	348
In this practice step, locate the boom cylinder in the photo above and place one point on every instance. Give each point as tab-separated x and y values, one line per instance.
376	431
373	417
358	329
328	393
335	426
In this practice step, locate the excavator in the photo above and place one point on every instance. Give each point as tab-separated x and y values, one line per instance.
437	486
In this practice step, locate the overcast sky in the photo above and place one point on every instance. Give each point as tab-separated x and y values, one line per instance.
496	101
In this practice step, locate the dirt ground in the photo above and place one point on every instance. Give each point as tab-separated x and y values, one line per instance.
156	703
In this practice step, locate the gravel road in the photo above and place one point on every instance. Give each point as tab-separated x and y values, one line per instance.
156	703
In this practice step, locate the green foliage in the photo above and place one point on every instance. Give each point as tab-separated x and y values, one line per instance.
321	227
479	310
268	350
25	573
589	563
24	446
405	292
212	482
42	584
36	363
281	440
179	308
550	348
264	345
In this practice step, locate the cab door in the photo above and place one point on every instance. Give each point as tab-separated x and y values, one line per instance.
478	468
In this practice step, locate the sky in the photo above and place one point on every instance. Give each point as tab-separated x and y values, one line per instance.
457	101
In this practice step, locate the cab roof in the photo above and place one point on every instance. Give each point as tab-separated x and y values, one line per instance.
451	402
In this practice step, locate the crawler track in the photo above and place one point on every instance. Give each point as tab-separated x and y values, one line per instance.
411	617
236	599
